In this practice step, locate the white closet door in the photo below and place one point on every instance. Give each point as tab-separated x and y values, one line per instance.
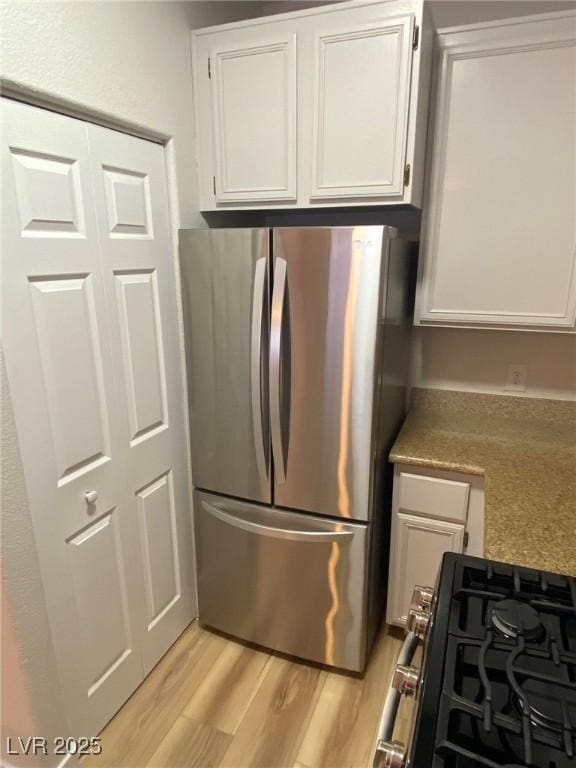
59	362
136	247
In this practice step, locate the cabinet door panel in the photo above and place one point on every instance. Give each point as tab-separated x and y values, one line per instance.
362	84
254	106
418	545
500	243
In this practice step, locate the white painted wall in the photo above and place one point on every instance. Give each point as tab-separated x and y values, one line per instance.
129	59
132	61
448	13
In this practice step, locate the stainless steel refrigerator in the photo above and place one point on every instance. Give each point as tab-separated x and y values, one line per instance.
297	344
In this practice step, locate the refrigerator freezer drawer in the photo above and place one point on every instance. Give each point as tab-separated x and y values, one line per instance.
290	582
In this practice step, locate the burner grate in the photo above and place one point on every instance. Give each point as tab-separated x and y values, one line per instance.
509	688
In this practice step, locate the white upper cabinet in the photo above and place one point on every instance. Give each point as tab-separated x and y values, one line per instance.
360	113
253	95
499	242
321	107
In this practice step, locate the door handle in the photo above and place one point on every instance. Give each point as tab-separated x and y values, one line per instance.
278	295
91	497
274	532
255	366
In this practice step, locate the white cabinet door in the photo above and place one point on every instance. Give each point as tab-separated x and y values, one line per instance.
253	86
316	108
361	99
57	345
136	249
418	545
500	243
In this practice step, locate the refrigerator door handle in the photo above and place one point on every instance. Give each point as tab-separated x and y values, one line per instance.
256	366
278	295
314	534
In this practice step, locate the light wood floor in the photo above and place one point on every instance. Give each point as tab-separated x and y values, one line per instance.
214	702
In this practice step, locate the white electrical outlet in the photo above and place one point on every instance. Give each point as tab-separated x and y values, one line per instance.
516	377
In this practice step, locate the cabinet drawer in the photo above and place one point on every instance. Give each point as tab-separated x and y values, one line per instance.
434	496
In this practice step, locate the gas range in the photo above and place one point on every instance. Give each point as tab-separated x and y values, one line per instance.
498	683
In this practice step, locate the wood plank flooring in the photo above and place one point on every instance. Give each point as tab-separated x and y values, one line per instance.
214	703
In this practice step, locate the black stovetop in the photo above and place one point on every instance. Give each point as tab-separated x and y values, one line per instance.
500	670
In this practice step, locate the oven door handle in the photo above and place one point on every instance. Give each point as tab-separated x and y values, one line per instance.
390	710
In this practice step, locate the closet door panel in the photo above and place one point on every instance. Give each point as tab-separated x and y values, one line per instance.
139	283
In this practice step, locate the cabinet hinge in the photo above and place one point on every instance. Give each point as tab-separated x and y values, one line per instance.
407	170
415	38
214	184
466	537
209	68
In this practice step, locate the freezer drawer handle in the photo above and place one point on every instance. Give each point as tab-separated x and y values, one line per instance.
255	372
276	533
278	294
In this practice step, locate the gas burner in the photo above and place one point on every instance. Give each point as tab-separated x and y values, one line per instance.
499	682
511	616
546	708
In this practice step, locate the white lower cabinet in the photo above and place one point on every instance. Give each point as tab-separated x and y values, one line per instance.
432	513
420	543
94	371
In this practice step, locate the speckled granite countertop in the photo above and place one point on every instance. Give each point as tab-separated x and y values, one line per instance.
526	450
